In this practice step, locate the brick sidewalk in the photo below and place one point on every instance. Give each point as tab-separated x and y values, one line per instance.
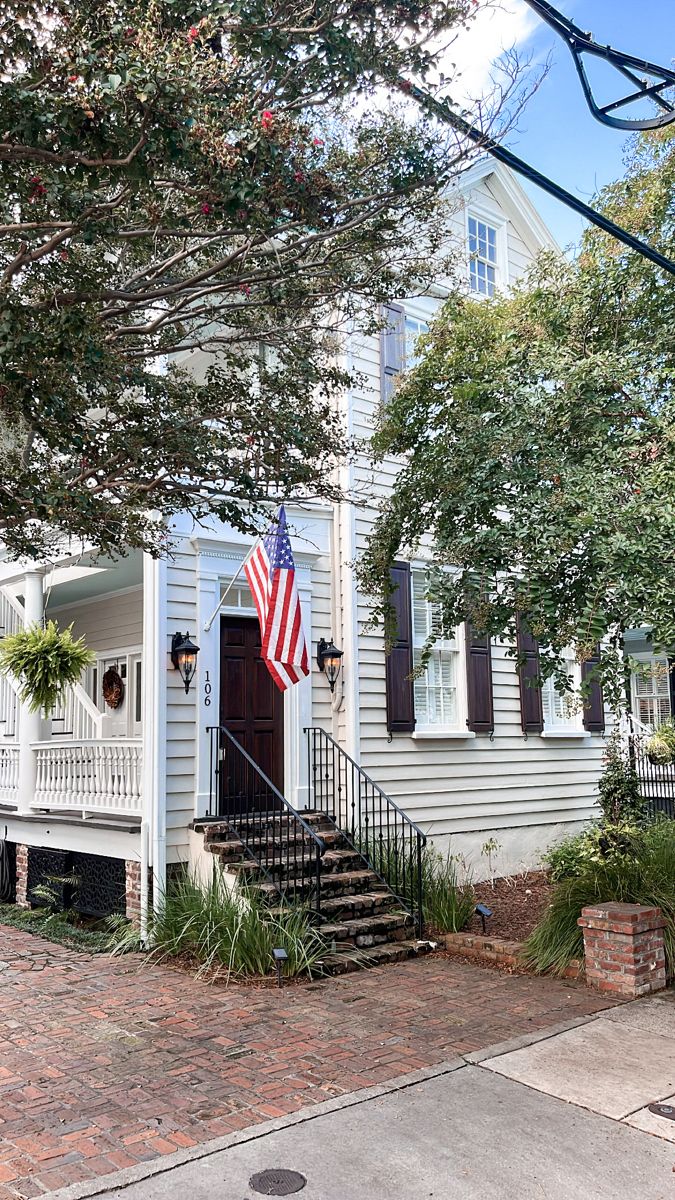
104	1063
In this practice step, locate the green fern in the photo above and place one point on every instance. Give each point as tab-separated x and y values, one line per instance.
45	661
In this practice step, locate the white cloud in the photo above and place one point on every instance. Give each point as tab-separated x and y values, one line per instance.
496	28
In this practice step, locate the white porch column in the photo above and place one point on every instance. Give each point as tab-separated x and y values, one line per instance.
30	723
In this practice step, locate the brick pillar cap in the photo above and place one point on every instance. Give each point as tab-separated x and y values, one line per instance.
630	916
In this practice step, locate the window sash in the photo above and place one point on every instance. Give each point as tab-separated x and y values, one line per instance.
558	709
651	694
482	257
436	690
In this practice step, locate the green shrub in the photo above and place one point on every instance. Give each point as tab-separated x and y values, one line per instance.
645	875
448	901
619	794
600	843
216	927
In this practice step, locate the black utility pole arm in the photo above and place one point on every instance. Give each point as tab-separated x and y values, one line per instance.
442	111
649	79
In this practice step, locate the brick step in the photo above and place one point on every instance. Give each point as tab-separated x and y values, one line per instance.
257	824
284	866
347	907
339	884
355	959
368	931
285	848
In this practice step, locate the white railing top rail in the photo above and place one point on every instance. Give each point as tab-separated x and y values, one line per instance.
69	742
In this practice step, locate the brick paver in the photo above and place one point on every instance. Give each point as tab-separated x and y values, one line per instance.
106	1062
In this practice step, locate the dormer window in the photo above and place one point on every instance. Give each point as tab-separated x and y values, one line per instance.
482	257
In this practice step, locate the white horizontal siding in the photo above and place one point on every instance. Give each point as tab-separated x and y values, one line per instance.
109	622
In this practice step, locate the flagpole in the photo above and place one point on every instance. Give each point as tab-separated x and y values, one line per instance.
229	587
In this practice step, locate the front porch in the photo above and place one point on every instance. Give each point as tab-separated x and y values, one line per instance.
85	761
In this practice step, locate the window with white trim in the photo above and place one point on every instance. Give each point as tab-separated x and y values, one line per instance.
562	710
437	701
413	330
482	257
651	693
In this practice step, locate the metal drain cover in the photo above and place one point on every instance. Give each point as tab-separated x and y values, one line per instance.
277	1181
663	1110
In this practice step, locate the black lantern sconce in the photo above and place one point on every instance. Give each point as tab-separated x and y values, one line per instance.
329	660
184	657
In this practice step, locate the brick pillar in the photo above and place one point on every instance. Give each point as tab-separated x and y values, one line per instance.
133	890
22	877
623	949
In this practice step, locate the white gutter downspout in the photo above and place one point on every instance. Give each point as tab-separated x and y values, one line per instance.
153	827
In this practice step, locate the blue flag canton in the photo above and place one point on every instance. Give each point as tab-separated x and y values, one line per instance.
278	546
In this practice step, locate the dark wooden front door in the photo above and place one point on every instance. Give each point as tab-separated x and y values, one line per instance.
252	709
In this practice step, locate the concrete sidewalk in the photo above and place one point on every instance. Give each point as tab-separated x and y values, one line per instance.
465	1135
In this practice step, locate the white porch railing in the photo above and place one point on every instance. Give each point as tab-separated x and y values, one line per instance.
76	716
90	776
9	773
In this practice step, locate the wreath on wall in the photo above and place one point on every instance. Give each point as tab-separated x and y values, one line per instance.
113	688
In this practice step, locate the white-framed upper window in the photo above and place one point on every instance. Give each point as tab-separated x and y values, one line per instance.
482	256
438	696
650	690
414	327
562	710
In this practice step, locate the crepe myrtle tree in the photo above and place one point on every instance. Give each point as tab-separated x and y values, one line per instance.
537	446
183	178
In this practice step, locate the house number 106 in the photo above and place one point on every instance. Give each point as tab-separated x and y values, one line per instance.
207	690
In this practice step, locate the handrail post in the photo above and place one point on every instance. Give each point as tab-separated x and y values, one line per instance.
420	890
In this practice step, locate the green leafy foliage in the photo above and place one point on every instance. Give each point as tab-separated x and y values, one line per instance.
619	793
216	928
646	875
603	844
45	660
56	927
660	747
536	437
447	895
182	183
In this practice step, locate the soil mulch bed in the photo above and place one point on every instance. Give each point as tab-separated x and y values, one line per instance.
517	903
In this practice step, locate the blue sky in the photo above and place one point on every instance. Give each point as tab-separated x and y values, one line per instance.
556	132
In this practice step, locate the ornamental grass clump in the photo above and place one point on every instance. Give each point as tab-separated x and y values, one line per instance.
45	660
644	874
215	928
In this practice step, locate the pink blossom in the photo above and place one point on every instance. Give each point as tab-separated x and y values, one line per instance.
267	119
317	142
193	33
206	209
298	176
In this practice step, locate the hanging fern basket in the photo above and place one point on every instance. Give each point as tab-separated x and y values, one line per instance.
45	661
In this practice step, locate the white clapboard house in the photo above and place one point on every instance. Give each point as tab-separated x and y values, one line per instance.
464	754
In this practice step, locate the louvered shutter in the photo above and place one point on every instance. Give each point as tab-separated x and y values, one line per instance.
392	349
399	662
531	710
480	717
594	706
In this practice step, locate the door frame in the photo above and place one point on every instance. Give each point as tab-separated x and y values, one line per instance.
217	564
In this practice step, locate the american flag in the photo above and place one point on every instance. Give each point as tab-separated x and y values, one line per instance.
270	571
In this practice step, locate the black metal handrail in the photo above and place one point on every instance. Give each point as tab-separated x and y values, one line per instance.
657	782
387	839
274	835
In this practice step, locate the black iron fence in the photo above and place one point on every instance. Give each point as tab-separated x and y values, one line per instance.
388	841
657	781
285	847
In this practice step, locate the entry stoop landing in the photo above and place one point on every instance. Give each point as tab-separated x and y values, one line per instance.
361	919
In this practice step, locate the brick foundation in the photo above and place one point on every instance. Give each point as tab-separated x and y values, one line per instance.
133	890
22	876
623	949
501	951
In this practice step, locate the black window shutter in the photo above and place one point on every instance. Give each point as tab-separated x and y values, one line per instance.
392	342
399	662
531	711
594	706
480	717
671	684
